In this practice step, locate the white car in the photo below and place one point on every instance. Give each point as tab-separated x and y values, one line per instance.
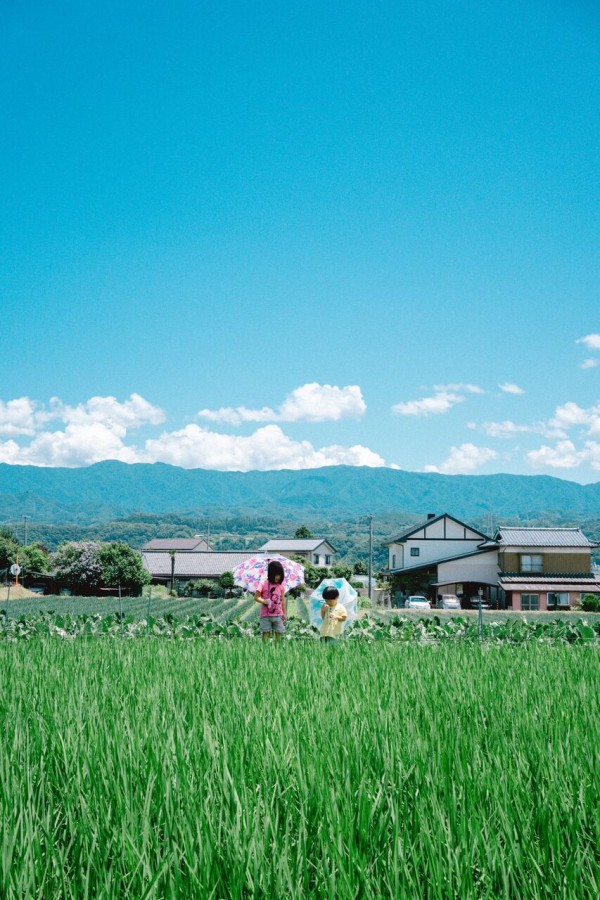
414	602
450	601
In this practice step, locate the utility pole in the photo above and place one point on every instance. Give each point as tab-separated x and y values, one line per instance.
25	530
172	555
370	553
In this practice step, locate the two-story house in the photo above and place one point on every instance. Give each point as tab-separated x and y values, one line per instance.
519	568
545	568
315	550
443	556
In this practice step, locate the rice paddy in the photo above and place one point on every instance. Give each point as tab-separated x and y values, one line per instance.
224	769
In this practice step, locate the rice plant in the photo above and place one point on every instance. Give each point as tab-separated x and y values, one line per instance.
178	769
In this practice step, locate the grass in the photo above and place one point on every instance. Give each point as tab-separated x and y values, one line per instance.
160	769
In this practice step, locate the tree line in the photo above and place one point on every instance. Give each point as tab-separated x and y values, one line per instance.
85	567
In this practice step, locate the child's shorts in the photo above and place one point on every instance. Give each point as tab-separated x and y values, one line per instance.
272	623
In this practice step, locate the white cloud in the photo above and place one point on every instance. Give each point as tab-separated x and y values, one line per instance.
77	445
437	405
510	388
464	459
458	387
266	448
17	416
506	429
10	453
590	364
571	415
592	454
563	455
309	403
96	430
108	411
591	341
190	447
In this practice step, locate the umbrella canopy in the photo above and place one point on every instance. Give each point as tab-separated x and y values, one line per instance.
253	571
348	598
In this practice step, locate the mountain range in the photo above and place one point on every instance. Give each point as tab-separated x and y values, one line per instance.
107	490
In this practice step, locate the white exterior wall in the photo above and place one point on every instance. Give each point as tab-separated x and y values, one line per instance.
395	556
436	539
482	568
319	554
431	550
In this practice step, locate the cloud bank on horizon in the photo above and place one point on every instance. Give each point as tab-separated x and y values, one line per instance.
59	434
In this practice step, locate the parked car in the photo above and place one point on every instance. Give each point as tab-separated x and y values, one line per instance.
474	601
450	601
415	602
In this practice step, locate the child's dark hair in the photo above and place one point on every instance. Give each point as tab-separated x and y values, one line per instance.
331	593
273	569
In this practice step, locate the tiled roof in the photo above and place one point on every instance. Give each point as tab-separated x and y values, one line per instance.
555	583
176	544
294	544
542	537
200	564
544	578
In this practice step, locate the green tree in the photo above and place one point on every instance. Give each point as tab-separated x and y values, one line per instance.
202	587
77	564
34	558
360	568
226	582
313	575
120	565
9	547
341	571
590	603
303	533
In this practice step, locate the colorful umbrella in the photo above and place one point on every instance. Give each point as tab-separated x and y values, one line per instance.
348	599
253	571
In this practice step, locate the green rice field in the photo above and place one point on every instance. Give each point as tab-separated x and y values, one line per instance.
229	769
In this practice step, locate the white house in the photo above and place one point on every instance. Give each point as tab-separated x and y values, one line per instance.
315	550
439	537
519	568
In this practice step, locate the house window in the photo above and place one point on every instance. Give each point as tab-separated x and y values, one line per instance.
415	551
316	559
393	560
532	562
559	599
530	602
327	559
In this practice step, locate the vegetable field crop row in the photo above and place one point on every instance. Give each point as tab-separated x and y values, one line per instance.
242	620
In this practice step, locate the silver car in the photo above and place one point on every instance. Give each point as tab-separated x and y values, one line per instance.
450	601
415	602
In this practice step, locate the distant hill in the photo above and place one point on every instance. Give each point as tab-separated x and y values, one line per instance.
107	490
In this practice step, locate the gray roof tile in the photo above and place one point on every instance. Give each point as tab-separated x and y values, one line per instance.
176	544
190	564
542	537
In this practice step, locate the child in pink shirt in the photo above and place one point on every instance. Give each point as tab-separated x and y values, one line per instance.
271	596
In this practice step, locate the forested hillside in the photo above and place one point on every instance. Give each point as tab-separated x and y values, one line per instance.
110	490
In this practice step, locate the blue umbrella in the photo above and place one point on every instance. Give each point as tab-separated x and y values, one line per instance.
348	598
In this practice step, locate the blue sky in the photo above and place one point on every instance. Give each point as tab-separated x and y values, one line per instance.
255	236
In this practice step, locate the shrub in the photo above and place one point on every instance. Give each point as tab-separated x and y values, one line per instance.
199	588
590	603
